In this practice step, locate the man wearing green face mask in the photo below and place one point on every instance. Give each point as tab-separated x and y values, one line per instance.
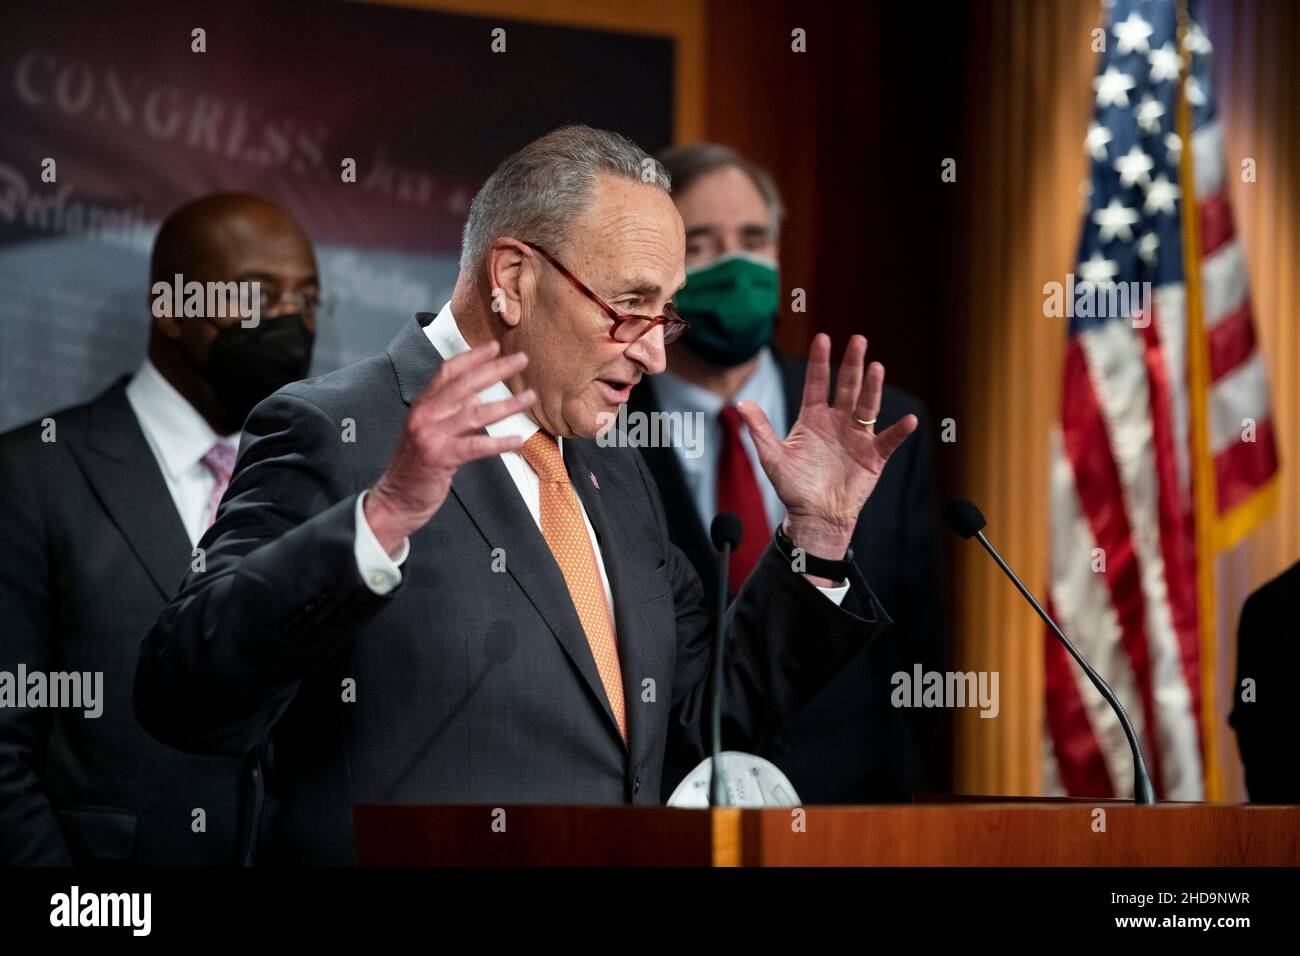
731	303
849	744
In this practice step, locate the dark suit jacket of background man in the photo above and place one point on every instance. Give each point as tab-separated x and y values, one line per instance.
1267	727
92	549
471	685
849	744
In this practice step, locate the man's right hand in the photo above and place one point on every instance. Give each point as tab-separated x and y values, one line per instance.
443	432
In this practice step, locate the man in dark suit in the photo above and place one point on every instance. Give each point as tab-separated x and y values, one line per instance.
432	579
1263	714
849	744
100	509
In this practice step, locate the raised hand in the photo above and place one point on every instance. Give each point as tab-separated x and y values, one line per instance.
827	467
443	432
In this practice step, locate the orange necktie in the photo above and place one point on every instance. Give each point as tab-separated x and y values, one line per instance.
566	535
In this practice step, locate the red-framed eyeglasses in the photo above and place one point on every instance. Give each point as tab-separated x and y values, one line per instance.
626	328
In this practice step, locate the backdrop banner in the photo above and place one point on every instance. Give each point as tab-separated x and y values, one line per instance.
106	130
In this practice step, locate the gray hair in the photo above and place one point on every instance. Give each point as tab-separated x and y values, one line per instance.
538	192
686	164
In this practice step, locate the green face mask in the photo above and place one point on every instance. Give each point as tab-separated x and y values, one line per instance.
731	304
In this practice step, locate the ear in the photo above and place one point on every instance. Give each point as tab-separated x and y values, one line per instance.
510	278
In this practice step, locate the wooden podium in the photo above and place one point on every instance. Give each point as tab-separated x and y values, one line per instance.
1024	833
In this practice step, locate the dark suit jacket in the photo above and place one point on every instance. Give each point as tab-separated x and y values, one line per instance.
471	686
93	548
1267	653
849	745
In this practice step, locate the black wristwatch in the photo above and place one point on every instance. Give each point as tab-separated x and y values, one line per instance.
820	567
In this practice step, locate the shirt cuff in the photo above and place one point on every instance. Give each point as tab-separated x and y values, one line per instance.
380	572
835	595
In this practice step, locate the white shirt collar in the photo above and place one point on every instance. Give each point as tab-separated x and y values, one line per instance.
179	435
446	337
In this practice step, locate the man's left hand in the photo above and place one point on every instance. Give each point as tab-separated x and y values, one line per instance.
827	467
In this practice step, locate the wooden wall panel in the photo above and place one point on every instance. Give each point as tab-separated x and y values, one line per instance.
1027	107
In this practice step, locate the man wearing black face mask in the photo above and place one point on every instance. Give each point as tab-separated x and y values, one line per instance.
849	744
223	365
101	517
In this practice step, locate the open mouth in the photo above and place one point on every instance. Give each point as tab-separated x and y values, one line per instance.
616	390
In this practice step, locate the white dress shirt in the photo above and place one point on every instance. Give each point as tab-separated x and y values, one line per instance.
179	437
764	389
382	573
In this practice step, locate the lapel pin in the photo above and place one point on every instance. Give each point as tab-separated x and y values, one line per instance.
593	480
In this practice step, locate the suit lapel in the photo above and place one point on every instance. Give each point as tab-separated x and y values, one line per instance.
121	468
489	495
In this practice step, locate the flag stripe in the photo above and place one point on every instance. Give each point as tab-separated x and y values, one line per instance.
1232	341
1216	222
1099	488
1236	400
1116	360
1243	467
1078	758
1170	325
1081	599
1223	278
1090	752
1177	532
1207	158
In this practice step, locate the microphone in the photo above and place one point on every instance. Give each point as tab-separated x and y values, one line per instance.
968	521
726	532
756	782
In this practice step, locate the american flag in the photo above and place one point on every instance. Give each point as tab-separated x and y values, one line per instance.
1165	452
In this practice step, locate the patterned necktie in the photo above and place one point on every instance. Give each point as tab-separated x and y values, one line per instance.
566	535
220	460
739	493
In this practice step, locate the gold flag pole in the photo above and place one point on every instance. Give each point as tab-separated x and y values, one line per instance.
1203	480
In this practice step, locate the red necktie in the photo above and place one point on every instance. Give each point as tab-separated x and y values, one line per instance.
739	493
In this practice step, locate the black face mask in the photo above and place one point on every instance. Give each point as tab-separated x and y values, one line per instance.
245	365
